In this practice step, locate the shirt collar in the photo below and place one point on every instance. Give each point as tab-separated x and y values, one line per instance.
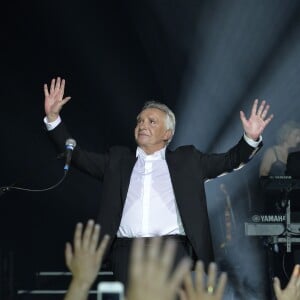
157	155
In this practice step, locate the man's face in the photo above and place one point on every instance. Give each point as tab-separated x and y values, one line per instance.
150	132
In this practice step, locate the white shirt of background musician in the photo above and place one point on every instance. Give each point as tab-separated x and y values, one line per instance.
150	208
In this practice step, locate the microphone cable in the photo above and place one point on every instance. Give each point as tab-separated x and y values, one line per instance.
70	145
13	187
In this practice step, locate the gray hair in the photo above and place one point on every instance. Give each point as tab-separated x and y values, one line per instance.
170	117
285	130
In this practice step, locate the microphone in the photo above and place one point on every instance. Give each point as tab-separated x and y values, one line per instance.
70	145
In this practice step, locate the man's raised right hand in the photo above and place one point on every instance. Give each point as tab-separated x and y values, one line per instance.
54	98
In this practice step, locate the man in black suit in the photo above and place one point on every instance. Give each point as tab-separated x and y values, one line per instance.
154	191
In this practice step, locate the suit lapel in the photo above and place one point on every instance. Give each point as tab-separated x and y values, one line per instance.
172	165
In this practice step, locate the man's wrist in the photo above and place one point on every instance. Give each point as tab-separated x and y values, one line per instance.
53	124
52	117
252	142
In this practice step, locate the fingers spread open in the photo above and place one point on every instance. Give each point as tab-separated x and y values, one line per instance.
57	84
136	260
212	274
167	258
261	108
94	238
52	85
182	269
200	276
87	234
46	92
68	254
254	107
221	285
77	237
277	287
189	286
152	254
102	247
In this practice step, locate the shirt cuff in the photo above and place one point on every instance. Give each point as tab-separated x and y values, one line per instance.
52	125
251	142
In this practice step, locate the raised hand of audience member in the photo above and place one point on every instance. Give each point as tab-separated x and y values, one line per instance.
213	289
84	259
150	275
292	290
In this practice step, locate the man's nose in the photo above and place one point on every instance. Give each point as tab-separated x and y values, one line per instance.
142	126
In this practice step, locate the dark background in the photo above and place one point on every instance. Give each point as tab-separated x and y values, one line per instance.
205	59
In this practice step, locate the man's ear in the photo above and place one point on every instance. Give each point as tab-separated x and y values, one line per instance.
168	134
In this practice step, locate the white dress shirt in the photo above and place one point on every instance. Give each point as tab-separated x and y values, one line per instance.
150	208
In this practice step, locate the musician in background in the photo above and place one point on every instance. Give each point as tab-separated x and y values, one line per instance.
275	157
274	163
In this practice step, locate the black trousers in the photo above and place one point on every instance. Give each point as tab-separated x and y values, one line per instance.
121	248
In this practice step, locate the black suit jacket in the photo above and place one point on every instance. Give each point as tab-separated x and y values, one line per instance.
189	169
